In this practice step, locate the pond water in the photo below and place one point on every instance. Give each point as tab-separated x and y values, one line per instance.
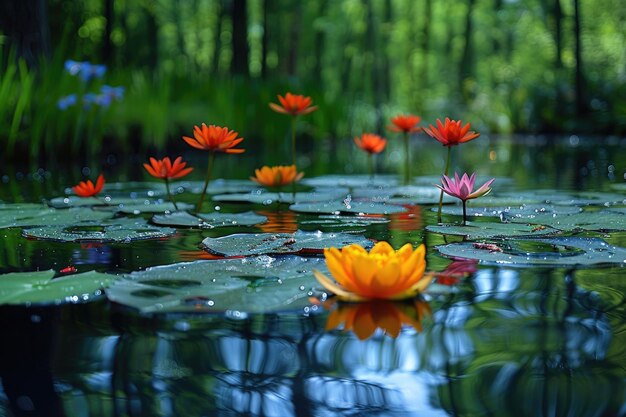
525	316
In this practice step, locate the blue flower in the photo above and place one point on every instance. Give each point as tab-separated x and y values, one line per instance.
67	101
85	70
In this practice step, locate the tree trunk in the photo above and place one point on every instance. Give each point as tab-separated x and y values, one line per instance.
25	24
239	14
558	23
294	40
581	104
386	67
107	45
425	44
218	39
265	38
466	69
152	29
318	45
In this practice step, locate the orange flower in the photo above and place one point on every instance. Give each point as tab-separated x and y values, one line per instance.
364	318
383	273
276	176
451	133
87	189
164	168
407	124
214	138
371	143
293	104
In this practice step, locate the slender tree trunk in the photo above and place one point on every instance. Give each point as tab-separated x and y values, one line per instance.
265	38
558	23
318	45
239	63
371	44
107	45
425	45
152	29
218	39
581	104
25	24
466	69
386	67
294	40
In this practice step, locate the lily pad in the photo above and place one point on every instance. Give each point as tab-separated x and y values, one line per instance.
557	251
39	287
524	211
266	198
484	230
208	220
604	220
280	243
249	285
357	207
37	215
146	206
339	221
351	181
218	186
105	200
123	230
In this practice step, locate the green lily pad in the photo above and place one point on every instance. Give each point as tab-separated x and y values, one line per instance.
344	221
37	215
524	211
357	207
484	230
208	220
556	251
249	285
218	186
351	181
266	198
592	199
123	231
136	189
104	200
280	243
39	287
146	206
604	220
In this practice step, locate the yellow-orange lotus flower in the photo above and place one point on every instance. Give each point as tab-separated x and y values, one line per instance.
165	169
276	176
363	319
214	138
371	143
383	273
88	189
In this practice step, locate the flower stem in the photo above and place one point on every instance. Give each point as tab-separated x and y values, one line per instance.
293	139
407	157
464	213
169	194
206	181
441	192
370	164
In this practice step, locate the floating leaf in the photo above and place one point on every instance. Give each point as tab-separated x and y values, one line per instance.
146	206
208	220
74	201
266	198
476	230
556	251
524	211
40	287
351	181
218	186
250	285
280	243
37	215
123	230
346	207
604	220
344	221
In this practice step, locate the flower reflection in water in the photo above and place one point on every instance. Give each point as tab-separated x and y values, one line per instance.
456	271
363	319
408	221
278	221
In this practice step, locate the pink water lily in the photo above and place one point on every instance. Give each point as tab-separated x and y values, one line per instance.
462	188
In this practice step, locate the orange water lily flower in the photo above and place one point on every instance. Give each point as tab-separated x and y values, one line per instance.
88	189
165	169
293	104
214	138
451	133
407	124
363	319
383	273
371	143
276	176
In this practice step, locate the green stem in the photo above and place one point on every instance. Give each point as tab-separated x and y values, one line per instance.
293	139
206	181
464	214
169	194
441	193
407	157
370	164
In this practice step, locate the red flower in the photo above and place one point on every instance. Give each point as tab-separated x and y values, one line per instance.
293	104
406	124
214	138
451	133
371	143
164	168
87	189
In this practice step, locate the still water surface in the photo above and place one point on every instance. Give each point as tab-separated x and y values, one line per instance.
502	341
